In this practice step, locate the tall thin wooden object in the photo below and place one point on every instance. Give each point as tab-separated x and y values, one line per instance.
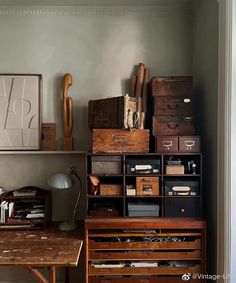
67	114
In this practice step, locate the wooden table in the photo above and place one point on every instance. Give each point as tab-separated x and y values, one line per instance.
33	248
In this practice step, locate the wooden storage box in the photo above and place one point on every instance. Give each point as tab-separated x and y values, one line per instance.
106	165
178	144
110	190
172	86
174	169
167	144
48	136
111	113
147	186
173	105
22	202
120	141
172	126
189	144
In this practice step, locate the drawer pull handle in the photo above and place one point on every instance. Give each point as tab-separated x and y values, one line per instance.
189	144
167	143
182	210
172	107
172	125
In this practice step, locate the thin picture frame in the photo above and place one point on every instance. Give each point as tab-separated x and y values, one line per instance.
20	111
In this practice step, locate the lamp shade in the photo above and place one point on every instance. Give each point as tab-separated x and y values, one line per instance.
60	181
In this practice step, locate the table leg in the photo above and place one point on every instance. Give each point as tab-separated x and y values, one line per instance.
67	274
52	274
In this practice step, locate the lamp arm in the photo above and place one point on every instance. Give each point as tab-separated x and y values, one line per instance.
78	198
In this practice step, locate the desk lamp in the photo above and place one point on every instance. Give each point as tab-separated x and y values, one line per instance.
65	181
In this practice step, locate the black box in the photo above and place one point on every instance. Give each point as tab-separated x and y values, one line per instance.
143	166
182	207
182	187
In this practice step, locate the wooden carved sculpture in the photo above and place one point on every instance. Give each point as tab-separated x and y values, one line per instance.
67	113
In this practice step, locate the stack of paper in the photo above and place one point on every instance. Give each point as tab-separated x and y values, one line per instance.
4	211
24	193
143	264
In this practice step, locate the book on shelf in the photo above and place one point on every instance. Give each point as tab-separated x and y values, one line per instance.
144	264
24	193
35	215
4	211
11	209
2	191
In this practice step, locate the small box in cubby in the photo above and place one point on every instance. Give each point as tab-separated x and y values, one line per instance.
174	169
110	189
181	187
136	165
147	186
143	208
103	164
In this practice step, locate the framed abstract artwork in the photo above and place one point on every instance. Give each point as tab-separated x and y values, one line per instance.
20	96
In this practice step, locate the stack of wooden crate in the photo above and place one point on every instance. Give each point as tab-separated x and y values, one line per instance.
119	124
172	123
113	131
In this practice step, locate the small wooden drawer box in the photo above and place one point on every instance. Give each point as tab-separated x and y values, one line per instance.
166	144
174	169
172	86
189	144
110	190
147	186
178	144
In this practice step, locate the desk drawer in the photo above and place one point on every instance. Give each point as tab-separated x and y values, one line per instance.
93	271
187	245
173	106
144	279
144	255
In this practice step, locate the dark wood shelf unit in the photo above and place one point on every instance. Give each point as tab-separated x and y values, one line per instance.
26	204
125	178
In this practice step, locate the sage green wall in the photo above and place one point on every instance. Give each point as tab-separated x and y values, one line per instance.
100	46
205	66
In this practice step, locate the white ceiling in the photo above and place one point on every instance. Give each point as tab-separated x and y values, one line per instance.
91	2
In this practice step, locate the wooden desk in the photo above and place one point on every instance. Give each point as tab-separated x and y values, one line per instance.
33	248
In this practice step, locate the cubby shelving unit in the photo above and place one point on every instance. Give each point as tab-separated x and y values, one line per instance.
184	205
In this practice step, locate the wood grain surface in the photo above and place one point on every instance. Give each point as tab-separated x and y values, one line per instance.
40	248
114	140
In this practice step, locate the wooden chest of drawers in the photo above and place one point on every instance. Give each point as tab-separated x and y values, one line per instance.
144	250
173	106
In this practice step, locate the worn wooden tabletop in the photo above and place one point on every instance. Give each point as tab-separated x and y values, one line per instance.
34	248
40	248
